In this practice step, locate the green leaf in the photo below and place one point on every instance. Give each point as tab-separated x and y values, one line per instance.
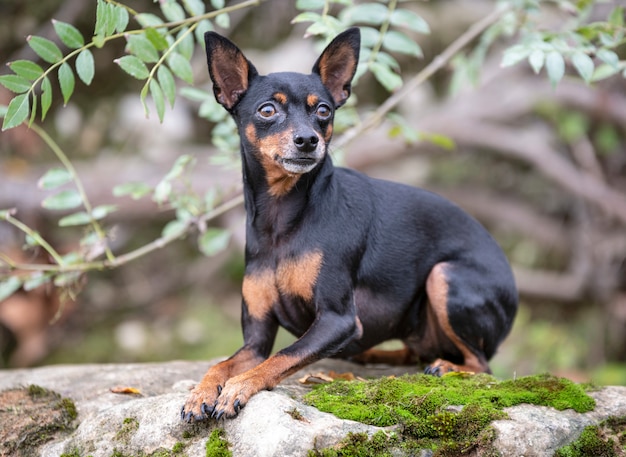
69	35
307	16
385	76
366	13
194	7
45	48
616	18
179	166
174	228
514	55
180	67
15	83
133	66
142	47
158	40
85	66
609	57
9	286
66	81
399	42
166	80
223	20
157	96
36	279
136	190
148	20
218	4
33	111
555	65
17	112
102	17
604	71
196	95
409	19
54	178
162	191
310	4
46	97
120	18
80	218
66	199
67	279
536	59
186	45
213	241
172	11
102	211
584	65
26	69
203	27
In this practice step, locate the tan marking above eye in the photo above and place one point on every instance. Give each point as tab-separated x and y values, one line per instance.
312	100
297	277
280	98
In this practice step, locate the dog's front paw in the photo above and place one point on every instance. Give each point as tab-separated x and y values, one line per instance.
234	396
440	367
200	404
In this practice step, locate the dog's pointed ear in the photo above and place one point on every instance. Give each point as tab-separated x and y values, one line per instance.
229	69
337	64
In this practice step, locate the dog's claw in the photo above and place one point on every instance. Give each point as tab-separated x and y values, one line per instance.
207	410
237	406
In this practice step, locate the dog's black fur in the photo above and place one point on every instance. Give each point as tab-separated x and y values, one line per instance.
341	260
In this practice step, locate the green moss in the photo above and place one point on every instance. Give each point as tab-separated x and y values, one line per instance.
217	446
129	427
608	439
450	414
360	445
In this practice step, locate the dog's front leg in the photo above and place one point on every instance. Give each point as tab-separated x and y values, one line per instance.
259	336
329	333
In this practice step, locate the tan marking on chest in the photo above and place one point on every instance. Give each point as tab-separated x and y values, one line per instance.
298	277
279	181
295	277
260	293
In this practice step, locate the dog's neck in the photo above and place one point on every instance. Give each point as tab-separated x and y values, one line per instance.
276	216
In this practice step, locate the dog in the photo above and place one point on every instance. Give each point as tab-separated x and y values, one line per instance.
341	260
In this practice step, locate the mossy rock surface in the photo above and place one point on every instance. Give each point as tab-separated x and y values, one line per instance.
451	414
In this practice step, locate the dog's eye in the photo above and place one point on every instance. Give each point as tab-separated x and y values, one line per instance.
323	111
267	110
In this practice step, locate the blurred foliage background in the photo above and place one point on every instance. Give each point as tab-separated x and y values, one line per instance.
540	160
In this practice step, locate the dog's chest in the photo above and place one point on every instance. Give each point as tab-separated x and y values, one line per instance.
286	287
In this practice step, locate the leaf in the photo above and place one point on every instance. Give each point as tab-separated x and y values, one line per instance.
609	57
36	279
45	48
102	17
26	69
15	83
536	59
555	65
120	18
514	55
46	97
310	4
67	279
69	35
66	199
203	27
148	20
172	11
80	218
157	39
33	111
166	79
194	7
157	96
409	19
307	16
366	13
136	190
174	229
385	76
213	241
604	71
102	211
54	178
17	112
584	65
162	191
185	45
218	4
142	47
133	66
66	81
180	67
9	286
399	42
223	20
85	66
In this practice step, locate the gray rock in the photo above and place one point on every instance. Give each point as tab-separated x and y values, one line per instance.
273	423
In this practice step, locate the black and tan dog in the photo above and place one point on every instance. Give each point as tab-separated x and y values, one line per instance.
342	261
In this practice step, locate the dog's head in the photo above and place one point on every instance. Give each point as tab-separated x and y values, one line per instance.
284	119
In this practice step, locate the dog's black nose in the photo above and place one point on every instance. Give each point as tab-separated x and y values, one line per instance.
306	142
